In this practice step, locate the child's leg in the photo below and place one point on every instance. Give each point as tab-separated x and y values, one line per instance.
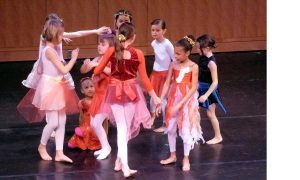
53	133
97	125
59	137
121	113
52	124
211	114
172	134
187	140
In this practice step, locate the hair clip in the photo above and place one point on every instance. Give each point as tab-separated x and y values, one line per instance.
121	38
122	13
84	79
189	40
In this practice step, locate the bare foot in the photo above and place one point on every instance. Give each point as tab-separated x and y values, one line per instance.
43	153
215	140
160	129
62	158
118	165
127	172
170	160
186	165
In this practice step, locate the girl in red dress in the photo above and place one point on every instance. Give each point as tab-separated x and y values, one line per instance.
124	102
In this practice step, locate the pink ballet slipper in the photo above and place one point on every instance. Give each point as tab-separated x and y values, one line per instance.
70	145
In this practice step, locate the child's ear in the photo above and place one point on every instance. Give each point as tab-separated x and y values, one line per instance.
81	90
164	31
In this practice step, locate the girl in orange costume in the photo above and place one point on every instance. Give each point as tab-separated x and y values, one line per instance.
182	106
84	137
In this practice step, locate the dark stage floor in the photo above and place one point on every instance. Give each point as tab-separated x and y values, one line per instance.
242	155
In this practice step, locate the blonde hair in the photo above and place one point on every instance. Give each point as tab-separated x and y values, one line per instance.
52	29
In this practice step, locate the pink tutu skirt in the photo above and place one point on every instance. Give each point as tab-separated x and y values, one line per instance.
51	94
122	92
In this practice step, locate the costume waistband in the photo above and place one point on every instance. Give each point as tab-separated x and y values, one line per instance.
53	78
124	87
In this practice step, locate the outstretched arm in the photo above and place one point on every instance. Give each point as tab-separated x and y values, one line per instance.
102	30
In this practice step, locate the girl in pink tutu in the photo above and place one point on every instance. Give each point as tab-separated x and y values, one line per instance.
34	76
52	94
182	106
124	102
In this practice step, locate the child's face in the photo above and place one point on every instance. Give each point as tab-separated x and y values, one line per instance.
87	88
103	46
121	19
157	32
180	54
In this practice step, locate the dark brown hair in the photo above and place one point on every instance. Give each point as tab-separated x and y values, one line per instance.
187	43
206	41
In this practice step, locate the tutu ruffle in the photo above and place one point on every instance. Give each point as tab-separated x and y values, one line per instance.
122	92
51	94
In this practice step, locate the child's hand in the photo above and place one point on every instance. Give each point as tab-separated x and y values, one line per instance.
93	64
173	110
103	30
75	53
158	110
86	61
202	98
157	100
67	40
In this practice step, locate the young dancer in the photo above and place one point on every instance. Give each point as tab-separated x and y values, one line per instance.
52	94
208	83
99	122
98	119
35	74
164	54
124	101
85	137
182	106
120	17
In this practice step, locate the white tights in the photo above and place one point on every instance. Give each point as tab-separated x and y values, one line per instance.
97	125
172	134
122	112
56	121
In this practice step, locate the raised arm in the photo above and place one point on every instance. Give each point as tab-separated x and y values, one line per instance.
52	55
104	61
102	30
